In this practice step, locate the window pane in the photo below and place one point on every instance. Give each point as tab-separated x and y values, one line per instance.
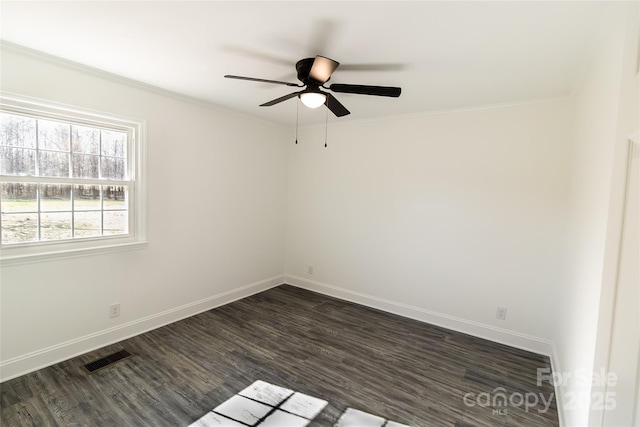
17	161
115	196
115	222
55	197
85	166
19	228
18	131
54	164
48	158
18	197
87	224
114	143
86	197
55	226
113	168
85	140
53	135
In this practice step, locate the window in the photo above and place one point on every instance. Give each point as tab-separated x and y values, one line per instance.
70	180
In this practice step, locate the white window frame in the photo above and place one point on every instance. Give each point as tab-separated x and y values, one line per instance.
136	162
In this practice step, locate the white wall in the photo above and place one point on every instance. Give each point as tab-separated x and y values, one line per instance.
216	208
605	96
441	217
620	353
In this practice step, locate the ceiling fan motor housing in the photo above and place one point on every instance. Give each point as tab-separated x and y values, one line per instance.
304	68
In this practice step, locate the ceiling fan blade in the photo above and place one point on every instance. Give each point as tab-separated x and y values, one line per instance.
322	68
366	90
282	98
335	106
252	79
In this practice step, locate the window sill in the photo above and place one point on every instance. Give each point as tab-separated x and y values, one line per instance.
8	259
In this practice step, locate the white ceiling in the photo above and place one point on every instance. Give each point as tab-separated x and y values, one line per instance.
445	55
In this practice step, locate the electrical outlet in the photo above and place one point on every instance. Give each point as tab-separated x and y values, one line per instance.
501	313
310	269
114	310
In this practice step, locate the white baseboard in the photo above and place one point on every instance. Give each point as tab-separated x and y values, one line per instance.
33	361
491	333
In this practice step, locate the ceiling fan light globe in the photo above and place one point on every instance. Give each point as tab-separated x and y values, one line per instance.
313	99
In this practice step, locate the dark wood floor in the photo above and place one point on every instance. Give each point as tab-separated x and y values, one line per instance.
349	355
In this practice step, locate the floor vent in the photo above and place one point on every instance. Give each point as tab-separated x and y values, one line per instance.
106	361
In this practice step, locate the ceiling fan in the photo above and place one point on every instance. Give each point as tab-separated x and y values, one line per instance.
314	73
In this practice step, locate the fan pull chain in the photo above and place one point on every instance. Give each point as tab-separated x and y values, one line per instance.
297	113
326	121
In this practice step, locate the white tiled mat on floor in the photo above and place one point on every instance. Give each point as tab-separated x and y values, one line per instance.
241	409
266	393
303	405
211	419
354	418
283	419
267	405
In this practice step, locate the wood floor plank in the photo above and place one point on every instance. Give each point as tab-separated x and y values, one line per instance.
352	356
